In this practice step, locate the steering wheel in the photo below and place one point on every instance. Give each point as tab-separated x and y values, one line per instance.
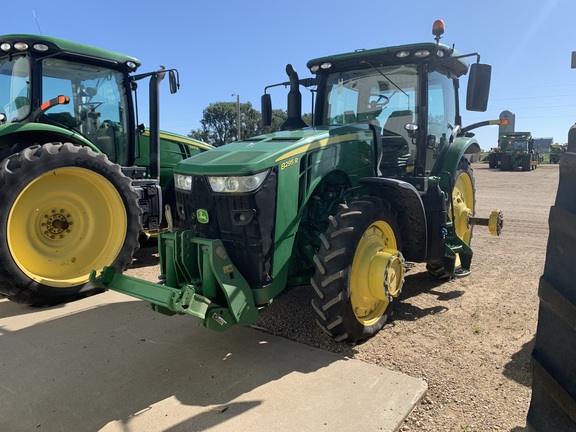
91	105
377	104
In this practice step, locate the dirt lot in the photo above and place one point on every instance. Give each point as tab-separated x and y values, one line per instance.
469	338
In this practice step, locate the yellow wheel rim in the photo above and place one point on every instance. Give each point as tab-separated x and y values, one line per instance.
463	205
377	273
64	224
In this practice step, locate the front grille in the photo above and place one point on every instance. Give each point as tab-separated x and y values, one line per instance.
250	242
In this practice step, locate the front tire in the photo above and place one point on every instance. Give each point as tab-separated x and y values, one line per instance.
66	210
359	270
526	163
492	160
505	163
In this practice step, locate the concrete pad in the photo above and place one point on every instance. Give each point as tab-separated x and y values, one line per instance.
108	363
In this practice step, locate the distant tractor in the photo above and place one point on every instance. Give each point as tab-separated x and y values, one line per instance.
515	150
556	151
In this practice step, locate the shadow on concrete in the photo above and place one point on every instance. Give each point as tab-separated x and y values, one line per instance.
10	309
104	364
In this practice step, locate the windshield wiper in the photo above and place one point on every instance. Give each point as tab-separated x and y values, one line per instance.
384	75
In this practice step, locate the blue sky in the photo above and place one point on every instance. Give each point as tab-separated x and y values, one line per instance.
227	47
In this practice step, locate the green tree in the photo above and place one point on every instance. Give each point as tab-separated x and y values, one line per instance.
219	124
278	117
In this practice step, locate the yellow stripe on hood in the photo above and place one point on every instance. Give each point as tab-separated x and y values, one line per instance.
317	144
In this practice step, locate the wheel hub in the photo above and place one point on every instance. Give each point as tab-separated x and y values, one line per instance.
56	224
386	276
496	222
462	214
377	273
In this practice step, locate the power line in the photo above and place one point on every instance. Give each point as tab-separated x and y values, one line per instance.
35	19
533	87
534	97
543	107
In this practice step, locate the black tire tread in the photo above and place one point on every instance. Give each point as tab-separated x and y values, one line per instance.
15	172
331	281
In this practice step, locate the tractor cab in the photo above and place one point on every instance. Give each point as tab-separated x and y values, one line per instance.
408	95
98	104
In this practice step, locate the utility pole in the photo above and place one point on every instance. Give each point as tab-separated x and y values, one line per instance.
238	110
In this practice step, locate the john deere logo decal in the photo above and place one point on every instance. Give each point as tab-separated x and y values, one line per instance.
202	216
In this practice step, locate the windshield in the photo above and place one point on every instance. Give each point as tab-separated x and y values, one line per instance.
519	145
379	97
516	144
15	87
97	102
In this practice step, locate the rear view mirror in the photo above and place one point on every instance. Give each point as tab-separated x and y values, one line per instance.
478	87
174	81
266	101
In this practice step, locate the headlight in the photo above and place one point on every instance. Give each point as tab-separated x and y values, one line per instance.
21	46
41	47
237	184
183	182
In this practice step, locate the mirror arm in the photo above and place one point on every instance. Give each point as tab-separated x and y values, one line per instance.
449	59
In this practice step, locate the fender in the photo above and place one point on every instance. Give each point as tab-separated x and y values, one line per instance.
450	155
10	131
407	202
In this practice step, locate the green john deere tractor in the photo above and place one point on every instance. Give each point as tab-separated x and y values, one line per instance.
517	151
556	151
380	179
80	180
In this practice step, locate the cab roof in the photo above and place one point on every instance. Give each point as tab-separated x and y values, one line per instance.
389	55
57	45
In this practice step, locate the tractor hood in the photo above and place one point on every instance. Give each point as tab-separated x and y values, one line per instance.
264	151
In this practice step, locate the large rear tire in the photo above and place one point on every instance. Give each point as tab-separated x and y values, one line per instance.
66	210
359	270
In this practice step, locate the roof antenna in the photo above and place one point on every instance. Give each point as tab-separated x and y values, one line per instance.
438	30
35	19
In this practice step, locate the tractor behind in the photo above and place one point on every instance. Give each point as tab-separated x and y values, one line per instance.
556	151
80	179
517	151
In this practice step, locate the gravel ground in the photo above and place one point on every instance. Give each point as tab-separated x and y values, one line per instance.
470	339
